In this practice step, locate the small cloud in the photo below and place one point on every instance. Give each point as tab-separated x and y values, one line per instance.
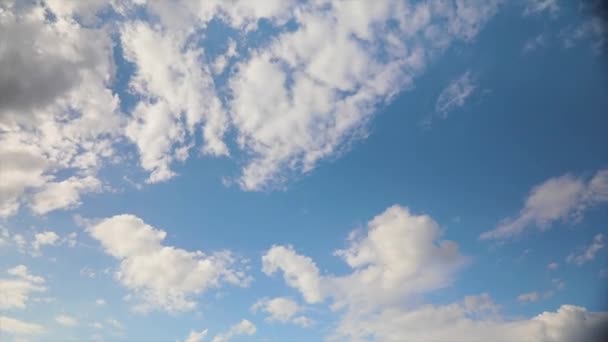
100	302
587	254
66	320
535	43
553	266
529	297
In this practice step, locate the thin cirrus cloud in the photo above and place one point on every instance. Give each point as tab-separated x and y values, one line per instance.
560	198
455	94
588	253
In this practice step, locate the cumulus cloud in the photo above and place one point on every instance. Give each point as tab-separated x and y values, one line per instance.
66	320
244	327
282	309
400	254
299	272
587	254
160	276
16	291
59	115
178	95
455	94
57	112
561	198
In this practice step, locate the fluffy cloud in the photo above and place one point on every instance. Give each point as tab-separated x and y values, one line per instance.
16	291
46	238
400	255
321	83
587	254
299	271
283	310
61	116
242	328
178	95
66	320
560	198
162	276
455	94
57	112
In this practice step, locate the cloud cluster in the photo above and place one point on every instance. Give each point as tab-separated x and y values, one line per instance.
57	112
400	257
62	116
160	276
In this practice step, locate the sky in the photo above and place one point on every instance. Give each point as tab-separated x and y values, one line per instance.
290	170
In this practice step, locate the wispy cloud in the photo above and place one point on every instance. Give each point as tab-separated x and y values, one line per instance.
455	94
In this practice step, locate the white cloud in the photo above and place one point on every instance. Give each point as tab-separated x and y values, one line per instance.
243	328
16	291
553	266
63	194
587	254
57	112
17	327
66	320
401	257
594	28
400	254
46	238
282	309
178	95
528	297
540	6
312	90
299	271
162	277
455	94
100	302
196	336
452	322
561	198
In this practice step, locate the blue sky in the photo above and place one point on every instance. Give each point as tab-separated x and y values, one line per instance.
303	171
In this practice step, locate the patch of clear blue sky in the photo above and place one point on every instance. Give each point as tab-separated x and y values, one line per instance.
534	116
